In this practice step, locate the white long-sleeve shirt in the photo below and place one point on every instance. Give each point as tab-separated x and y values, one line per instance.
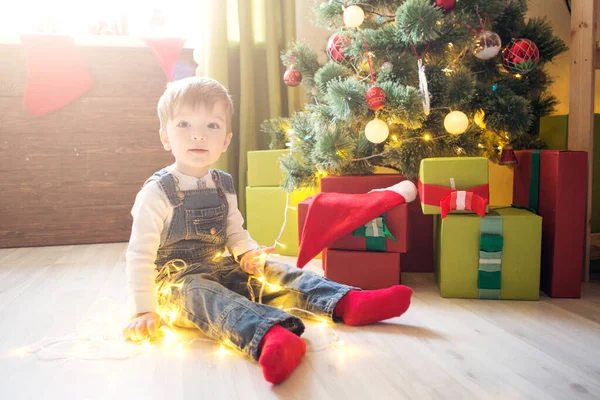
152	214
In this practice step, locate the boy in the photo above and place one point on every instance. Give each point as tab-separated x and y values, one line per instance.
189	212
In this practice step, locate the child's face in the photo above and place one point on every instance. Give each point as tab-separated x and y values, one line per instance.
197	137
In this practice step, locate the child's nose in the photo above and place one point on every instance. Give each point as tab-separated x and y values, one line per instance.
198	135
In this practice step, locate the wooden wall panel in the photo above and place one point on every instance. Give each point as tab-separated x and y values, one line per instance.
71	176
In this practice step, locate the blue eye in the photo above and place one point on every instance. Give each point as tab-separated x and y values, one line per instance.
183	124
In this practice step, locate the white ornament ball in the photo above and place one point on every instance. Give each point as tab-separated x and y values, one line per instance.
353	16
456	122
376	131
387	67
487	45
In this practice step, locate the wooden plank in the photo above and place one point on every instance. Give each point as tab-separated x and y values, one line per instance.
116	71
581	100
107	162
71	225
86	115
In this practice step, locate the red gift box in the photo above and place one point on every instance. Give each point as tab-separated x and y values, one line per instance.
419	257
363	269
396	220
562	205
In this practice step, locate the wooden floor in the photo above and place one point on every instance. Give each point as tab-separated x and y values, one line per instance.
440	349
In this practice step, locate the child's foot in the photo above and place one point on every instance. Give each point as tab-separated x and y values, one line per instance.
370	306
281	353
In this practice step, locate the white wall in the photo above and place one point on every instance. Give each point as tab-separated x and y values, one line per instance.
555	10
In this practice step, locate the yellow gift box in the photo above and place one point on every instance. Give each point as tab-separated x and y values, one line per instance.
265	208
264	169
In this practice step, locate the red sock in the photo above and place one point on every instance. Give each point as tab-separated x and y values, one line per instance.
281	352
369	306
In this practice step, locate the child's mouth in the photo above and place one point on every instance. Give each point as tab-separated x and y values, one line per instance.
199	151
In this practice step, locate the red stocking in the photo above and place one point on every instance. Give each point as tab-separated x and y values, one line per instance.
166	51
56	74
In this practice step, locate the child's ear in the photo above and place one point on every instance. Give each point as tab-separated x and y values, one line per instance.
164	139
227	141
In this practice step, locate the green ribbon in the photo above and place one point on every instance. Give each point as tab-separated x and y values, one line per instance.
489	275
534	181
375	233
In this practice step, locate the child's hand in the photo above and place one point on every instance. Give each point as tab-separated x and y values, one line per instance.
253	261
142	326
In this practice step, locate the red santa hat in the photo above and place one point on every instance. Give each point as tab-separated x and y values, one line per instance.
333	215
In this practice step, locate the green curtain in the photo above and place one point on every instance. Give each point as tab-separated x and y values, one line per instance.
242	47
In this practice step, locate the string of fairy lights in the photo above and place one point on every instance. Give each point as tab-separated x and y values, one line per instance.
99	336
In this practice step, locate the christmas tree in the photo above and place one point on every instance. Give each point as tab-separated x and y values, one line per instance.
411	79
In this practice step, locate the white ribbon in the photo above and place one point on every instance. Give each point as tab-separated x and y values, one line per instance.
423	87
461	197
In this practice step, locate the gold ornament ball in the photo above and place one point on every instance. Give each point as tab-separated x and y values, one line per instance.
456	122
376	131
353	16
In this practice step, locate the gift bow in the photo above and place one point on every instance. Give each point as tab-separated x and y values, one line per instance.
463	200
377	228
474	199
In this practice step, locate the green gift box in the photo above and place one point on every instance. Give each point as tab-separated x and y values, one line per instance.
496	257
264	169
265	207
438	176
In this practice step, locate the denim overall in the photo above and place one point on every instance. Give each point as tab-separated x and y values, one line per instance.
211	293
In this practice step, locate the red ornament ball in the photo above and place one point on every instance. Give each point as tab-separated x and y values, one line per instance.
336	46
520	56
375	98
446	5
292	77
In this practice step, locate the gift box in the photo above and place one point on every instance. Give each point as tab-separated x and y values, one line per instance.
264	169
265	207
419	255
454	184
554	131
387	233
363	269
495	257
553	184
501	184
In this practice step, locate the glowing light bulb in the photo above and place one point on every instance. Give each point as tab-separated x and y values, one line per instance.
427	137
20	352
170	336
456	122
376	131
353	16
222	350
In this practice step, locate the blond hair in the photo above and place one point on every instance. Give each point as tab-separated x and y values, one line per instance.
193	92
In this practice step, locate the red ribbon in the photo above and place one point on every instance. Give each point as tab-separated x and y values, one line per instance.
474	199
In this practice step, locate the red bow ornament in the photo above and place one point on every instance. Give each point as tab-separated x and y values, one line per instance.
474	199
